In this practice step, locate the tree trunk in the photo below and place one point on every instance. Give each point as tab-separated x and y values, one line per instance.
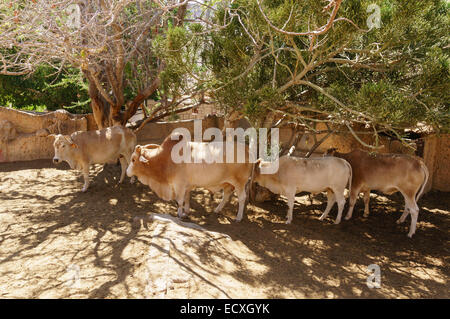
100	107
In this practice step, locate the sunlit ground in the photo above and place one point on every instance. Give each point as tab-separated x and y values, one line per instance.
57	242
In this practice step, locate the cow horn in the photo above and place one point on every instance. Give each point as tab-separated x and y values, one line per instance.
71	142
53	135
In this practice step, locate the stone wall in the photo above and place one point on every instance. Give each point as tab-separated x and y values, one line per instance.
24	136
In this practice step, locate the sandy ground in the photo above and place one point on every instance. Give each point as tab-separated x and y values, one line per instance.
124	242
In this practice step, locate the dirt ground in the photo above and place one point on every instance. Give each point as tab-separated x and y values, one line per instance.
115	242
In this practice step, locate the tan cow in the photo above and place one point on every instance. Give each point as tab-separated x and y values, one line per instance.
387	173
83	148
154	166
312	175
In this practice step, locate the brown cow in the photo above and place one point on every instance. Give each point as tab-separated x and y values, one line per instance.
83	148
154	166
387	173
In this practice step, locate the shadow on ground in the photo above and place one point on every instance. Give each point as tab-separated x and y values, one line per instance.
48	226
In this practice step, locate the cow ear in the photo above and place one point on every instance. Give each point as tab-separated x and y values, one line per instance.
73	145
137	149
142	159
54	136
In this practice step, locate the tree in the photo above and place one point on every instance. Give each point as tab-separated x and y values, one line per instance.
114	44
306	63
44	90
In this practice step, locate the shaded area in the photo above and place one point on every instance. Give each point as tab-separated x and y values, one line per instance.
48	228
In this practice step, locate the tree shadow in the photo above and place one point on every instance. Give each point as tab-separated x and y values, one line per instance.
306	259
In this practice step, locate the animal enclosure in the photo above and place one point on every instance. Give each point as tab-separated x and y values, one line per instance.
113	237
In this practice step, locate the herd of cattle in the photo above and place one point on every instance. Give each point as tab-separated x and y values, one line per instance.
152	164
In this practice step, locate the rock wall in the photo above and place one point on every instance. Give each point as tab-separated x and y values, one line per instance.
157	132
25	135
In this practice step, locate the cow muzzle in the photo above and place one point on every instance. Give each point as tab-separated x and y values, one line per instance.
56	160
129	171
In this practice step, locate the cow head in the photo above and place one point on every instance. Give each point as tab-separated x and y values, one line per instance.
134	157
137	158
64	148
330	152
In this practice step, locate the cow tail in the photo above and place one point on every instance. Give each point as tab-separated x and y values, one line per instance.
252	177
422	187
350	178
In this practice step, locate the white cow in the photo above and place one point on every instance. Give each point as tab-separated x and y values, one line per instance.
83	148
312	175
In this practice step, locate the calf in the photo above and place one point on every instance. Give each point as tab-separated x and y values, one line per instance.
387	173
83	148
154	166
308	174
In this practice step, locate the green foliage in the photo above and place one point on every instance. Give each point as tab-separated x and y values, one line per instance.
404	78
179	48
44	90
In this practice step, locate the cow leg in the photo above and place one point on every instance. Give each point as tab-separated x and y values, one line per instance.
187	202
241	193
414	215
366	203
86	178
341	203
413	209
291	200
123	165
331	199
226	194
180	202
352	201
127	157
403	217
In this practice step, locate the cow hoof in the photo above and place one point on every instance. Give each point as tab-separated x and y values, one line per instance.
84	190
322	217
410	235
182	216
238	220
288	222
366	215
347	217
